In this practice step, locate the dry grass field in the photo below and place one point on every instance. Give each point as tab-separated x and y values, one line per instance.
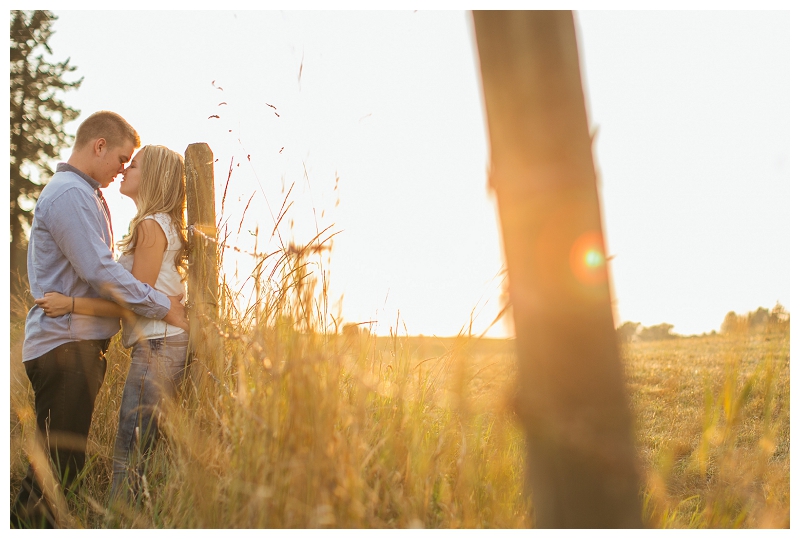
302	423
713	429
365	431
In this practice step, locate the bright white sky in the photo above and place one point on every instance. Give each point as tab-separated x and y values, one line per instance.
692	151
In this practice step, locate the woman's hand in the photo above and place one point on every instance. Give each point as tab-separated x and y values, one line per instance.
128	317
54	304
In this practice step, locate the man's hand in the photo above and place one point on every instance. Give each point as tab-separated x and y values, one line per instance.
177	313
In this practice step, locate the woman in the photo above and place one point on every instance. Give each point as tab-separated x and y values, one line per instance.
154	251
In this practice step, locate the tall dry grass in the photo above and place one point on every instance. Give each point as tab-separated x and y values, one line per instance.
303	426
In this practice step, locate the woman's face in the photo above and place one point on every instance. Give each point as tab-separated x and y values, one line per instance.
131	178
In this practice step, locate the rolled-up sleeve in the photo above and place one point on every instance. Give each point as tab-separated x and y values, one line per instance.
74	223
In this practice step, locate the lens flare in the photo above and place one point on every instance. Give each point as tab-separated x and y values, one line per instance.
593	258
587	259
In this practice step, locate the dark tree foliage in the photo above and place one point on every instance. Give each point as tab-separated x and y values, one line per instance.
38	117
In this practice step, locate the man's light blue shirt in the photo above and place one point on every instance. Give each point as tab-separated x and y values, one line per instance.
70	252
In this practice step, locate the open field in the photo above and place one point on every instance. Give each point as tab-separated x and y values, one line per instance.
371	431
713	429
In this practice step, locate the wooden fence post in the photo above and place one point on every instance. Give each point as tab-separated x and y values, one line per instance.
204	341
572	401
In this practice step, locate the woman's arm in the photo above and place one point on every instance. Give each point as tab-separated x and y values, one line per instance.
55	304
150	246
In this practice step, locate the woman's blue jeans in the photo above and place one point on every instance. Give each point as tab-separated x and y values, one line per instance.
155	375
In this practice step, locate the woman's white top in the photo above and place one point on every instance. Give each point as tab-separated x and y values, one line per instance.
168	282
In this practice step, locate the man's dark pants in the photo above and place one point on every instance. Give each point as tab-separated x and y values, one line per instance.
65	383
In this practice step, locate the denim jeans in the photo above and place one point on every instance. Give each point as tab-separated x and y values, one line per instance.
65	384
156	372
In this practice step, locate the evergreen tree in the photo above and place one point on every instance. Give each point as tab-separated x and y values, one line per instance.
38	116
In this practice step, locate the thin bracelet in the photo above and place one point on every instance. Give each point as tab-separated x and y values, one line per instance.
73	305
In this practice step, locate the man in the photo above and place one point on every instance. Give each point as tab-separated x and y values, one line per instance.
70	252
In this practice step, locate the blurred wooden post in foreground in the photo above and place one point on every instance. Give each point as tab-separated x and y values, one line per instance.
204	341
581	463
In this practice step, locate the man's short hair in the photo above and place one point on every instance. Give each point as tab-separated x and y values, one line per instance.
108	125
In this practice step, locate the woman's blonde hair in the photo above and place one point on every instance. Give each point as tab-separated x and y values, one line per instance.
162	189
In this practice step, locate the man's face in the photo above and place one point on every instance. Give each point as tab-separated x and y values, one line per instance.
111	161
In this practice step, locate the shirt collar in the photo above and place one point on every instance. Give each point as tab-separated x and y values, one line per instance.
66	167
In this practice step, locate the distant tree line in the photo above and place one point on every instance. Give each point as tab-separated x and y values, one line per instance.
634	331
761	320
